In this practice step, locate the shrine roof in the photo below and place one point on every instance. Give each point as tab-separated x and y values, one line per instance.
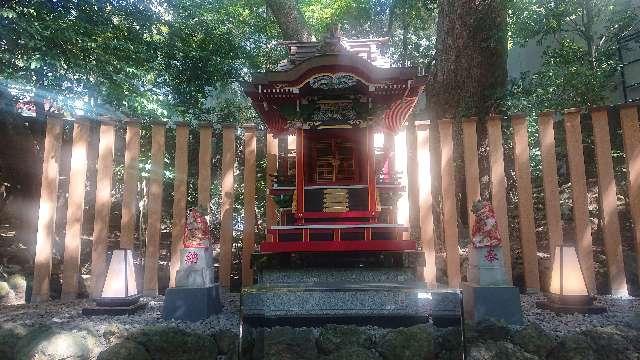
368	49
335	82
335	54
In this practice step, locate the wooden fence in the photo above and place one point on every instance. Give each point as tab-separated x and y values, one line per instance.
571	120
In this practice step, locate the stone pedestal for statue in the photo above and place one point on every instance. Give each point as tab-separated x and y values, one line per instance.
197	294
488	293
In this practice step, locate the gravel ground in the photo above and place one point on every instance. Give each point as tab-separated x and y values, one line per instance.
620	311
68	316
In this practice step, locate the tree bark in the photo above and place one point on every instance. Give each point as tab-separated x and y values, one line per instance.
470	71
290	20
468	78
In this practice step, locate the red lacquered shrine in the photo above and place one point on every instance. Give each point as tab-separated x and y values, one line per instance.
336	190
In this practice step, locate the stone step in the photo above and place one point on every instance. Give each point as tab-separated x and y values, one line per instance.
376	303
342	260
325	275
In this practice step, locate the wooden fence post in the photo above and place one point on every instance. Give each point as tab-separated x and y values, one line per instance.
472	178
499	187
226	224
550	180
130	196
102	206
608	203
272	164
47	211
413	191
631	138
450	218
579	191
426	202
204	167
402	205
525	203
179	198
75	207
249	228
154	211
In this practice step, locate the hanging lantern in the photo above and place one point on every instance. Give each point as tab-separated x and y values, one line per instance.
568	291
119	294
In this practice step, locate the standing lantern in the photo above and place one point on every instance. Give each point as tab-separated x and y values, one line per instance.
568	291
119	295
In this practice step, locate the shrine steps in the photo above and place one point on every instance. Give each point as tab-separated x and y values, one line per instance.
376	288
379	304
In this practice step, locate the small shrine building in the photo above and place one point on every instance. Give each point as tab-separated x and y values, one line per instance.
336	184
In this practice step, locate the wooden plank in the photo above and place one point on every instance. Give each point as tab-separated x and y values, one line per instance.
575	156
102	207
400	162
499	187
179	198
249	227
413	191
631	139
47	211
427	238
472	179
550	180
226	225
204	168
525	203
608	203
450	217
130	196
272	168
154	211
471	171
75	207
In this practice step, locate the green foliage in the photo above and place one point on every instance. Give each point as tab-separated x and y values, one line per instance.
17	282
4	289
579	62
152	60
412	32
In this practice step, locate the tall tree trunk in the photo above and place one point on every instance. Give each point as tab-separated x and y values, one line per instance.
290	20
468	78
470	70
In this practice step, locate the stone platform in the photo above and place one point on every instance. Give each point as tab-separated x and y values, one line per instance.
363	288
381	304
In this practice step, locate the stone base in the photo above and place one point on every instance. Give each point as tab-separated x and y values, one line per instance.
382	304
195	277
191	304
492	302
114	310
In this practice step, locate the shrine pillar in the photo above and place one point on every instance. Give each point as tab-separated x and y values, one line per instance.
272	164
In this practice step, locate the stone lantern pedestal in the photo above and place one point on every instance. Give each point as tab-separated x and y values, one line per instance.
488	293
197	293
